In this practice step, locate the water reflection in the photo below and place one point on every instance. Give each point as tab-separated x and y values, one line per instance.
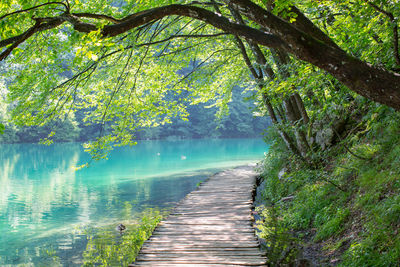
42	198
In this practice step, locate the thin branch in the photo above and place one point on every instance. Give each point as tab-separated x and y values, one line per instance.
97	16
212	3
394	26
145	17
133	88
117	88
25	36
183	36
142	30
160	29
31	8
176	33
38	27
348	150
198	66
180	49
207	16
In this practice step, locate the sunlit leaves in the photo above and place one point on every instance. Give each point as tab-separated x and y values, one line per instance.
357	27
107	250
124	83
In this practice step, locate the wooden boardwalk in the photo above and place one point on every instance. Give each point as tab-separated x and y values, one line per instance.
212	226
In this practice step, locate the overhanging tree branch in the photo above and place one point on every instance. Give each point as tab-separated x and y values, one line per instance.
142	18
38	27
97	16
35	7
372	82
209	17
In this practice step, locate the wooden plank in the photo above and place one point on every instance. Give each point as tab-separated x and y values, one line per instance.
203	257
202	244
196	235
216	260
184	253
212	226
210	239
192	223
189	249
187	265
212	214
216	227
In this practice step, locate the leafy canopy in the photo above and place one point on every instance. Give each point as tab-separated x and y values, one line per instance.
143	78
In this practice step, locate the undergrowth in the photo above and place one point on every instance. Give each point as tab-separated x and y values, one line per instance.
349	203
107	247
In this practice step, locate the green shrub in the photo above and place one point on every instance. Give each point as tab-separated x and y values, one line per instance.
333	225
106	247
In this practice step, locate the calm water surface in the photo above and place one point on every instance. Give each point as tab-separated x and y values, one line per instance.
45	203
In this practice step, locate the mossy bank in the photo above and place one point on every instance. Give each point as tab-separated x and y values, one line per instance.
342	208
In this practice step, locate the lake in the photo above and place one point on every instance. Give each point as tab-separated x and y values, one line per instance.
45	203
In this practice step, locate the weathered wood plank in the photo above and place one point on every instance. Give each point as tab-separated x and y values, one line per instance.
204	244
203	252
212	226
215	262
236	238
216	227
187	265
233	259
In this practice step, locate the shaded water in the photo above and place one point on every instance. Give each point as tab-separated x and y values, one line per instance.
44	202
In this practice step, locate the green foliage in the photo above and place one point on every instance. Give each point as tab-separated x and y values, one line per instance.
141	82
332	223
201	123
106	247
350	202
120	84
357	27
279	241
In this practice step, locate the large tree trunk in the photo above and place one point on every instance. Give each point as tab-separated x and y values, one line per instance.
265	68
294	106
285	137
301	108
372	82
293	117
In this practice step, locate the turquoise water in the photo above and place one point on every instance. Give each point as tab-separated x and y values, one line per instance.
44	202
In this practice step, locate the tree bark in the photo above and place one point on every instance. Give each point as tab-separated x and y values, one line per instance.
281	113
293	109
372	82
258	77
301	108
302	144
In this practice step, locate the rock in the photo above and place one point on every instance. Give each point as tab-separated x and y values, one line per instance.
288	198
327	129
281	173
120	228
324	138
